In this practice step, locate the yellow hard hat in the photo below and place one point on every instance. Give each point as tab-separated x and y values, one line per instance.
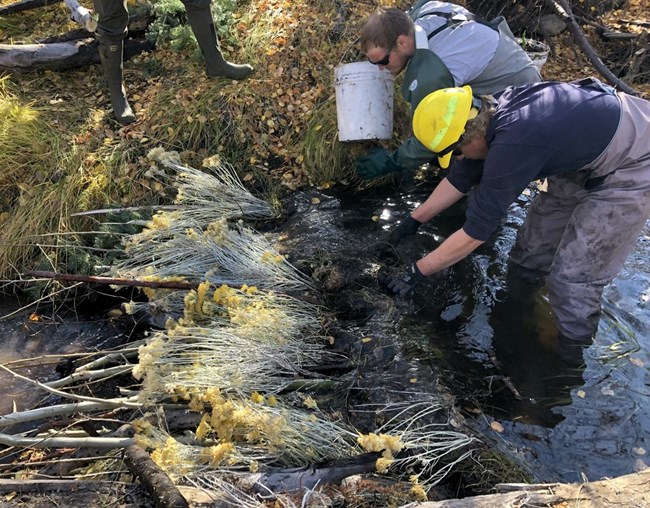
439	120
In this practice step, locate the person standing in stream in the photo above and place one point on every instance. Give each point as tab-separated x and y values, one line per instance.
438	45
112	29
589	141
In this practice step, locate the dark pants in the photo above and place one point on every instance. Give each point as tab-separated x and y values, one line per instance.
114	17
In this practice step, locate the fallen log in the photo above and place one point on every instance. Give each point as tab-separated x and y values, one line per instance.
60	56
622	492
163	491
25	5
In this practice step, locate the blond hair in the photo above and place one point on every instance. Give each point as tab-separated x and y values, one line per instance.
477	127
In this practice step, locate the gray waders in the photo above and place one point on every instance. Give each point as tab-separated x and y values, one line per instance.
580	231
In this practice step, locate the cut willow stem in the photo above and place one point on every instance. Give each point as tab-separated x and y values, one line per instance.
90	375
57	410
66	395
112	280
65	442
122	354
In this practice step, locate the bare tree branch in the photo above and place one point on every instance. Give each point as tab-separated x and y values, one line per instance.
562	9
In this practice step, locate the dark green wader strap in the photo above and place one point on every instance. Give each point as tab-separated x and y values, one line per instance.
424	74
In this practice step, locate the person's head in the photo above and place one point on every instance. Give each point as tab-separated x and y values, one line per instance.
388	39
452	121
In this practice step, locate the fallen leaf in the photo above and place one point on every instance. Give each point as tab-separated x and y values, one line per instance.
315	201
581	394
366	339
637	361
496	427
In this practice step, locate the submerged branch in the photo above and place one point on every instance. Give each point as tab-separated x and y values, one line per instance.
109	402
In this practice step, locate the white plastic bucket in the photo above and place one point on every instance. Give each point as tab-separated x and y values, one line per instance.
364	102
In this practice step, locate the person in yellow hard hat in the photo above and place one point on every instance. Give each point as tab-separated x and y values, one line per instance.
590	143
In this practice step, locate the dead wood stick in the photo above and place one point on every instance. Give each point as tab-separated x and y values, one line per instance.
563	10
112	281
53	411
113	402
90	375
66	442
634	22
154	479
25	5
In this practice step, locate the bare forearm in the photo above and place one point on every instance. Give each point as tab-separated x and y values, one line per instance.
442	197
452	250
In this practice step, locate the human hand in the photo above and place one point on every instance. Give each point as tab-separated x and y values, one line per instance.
407	227
376	163
402	284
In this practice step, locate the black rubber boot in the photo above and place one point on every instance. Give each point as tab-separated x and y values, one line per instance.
216	65
110	54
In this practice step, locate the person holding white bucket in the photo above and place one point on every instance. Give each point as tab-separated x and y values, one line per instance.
438	45
590	143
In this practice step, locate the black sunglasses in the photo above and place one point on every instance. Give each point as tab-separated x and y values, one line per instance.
385	60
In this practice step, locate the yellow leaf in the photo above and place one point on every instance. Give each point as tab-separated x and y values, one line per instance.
318	127
413	380
375	218
315	201
496	427
637	361
581	394
366	339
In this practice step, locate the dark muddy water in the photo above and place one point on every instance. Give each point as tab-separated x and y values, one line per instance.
54	339
567	413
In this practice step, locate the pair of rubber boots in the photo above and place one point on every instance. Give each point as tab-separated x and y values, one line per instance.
110	53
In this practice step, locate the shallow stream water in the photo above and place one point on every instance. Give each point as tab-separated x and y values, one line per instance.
566	413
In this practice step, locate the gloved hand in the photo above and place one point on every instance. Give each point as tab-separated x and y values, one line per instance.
376	163
403	284
407	227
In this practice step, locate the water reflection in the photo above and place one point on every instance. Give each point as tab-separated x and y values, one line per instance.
571	410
